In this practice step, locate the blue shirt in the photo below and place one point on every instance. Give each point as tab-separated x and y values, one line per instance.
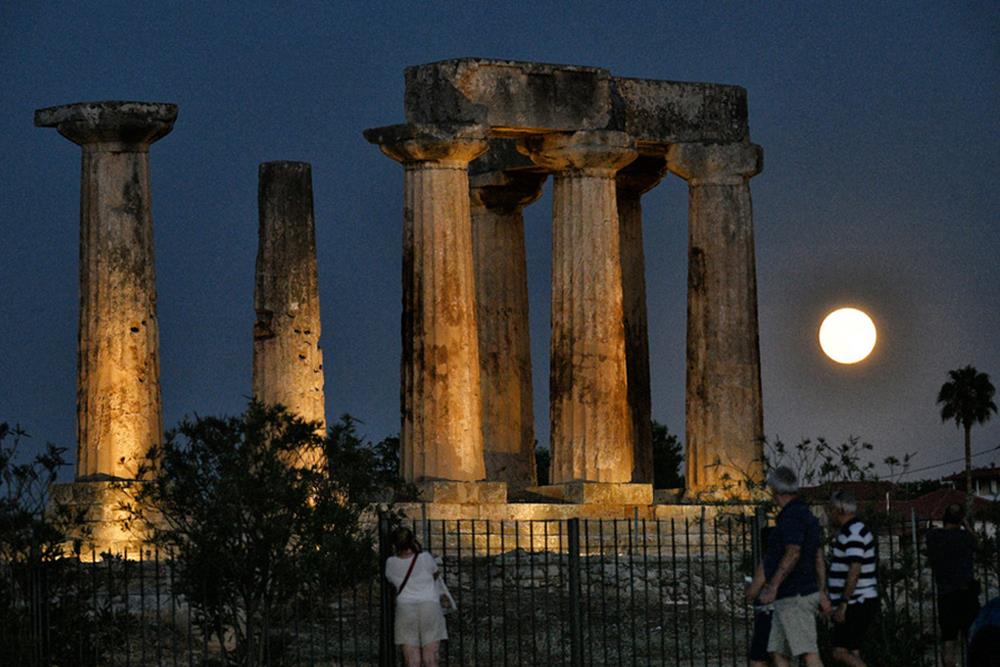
795	525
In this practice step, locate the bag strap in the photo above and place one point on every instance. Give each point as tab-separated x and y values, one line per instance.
408	573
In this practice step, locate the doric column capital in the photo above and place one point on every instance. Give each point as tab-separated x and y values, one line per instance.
505	190
445	145
715	164
642	174
593	152
126	126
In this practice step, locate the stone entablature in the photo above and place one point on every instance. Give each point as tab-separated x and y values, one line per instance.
605	140
515	98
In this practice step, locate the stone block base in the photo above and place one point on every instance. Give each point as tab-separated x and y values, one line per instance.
598	493
463	493
101	505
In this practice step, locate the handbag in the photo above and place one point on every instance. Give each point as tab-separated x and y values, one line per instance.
448	604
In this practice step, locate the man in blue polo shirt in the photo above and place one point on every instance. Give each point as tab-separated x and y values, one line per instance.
795	574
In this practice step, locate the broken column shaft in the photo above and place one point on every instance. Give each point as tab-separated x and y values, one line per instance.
118	384
287	358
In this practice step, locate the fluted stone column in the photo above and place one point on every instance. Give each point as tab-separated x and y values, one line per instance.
441	435
287	359
632	181
118	381
591	427
724	412
498	199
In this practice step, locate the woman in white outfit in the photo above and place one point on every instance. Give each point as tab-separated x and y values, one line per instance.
420	622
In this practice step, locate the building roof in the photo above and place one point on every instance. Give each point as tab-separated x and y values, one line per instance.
986	472
931	506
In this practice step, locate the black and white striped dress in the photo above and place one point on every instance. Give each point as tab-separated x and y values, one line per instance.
853	544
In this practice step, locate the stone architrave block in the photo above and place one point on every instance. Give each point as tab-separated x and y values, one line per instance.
515	98
658	113
509	96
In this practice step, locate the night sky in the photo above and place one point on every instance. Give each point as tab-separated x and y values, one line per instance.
880	126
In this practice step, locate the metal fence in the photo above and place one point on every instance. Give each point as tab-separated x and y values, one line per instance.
560	592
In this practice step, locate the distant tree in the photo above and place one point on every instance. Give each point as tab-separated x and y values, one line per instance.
255	527
667	458
967	398
543	463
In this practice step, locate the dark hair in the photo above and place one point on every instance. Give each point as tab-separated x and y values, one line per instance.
403	539
954	513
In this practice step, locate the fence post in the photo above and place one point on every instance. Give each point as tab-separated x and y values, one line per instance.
575	615
759	518
387	642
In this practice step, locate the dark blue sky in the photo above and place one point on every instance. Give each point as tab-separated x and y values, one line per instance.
879	125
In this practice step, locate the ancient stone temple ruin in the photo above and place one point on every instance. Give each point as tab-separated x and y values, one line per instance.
480	138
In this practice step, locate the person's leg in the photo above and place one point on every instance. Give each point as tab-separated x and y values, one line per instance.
412	655
812	660
781	660
430	654
948	653
847	657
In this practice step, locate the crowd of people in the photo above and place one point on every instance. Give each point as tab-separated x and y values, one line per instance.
791	587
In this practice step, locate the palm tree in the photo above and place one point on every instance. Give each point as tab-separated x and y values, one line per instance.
968	399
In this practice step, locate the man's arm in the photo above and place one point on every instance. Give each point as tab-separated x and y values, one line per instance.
824	596
850	583
787	564
753	590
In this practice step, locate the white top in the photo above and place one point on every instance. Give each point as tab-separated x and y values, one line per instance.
421	586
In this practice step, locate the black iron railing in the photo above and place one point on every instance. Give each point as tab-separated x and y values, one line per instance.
529	592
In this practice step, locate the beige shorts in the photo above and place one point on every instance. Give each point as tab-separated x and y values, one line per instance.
419	623
793	626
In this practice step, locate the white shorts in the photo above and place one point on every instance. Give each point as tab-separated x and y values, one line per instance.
793	626
419	623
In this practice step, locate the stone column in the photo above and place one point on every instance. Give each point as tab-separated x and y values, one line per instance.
632	181
441	435
724	413
498	199
591	426
287	359
118	381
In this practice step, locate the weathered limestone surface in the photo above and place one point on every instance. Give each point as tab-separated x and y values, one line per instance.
515	98
118	383
287	359
591	427
724	411
598	493
632	181
441	435
463	493
497	200
99	505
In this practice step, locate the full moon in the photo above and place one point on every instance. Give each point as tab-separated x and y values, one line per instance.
847	335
